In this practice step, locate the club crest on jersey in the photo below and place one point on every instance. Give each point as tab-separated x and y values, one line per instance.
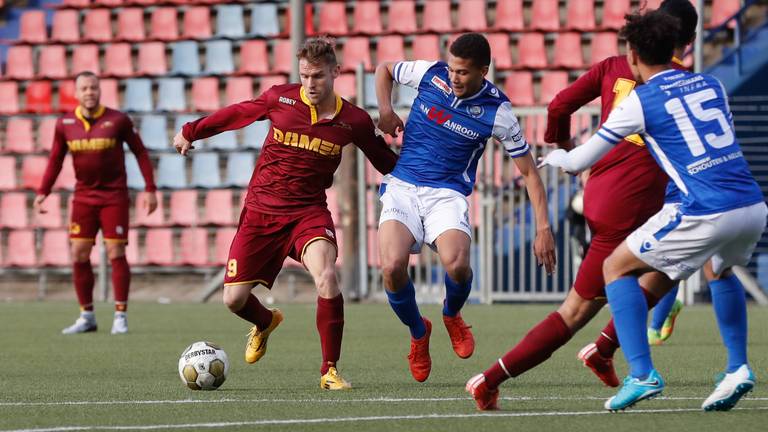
475	111
287	101
495	92
442	85
329	233
108	123
343	125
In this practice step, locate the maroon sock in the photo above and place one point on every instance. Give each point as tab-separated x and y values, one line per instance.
255	313
608	341
537	346
121	281
82	276
330	325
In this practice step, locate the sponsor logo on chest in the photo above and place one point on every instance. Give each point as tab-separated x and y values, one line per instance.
91	144
441	85
295	139
443	118
287	101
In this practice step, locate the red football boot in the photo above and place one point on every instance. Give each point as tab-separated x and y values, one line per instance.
601	366
461	336
418	359
485	398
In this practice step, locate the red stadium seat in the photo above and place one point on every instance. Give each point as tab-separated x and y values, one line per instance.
346	86
205	94
85	58
390	48
283	56
52	218
19	63
194	247
22	254
55	248
581	15
156	219
32	29
66	26
18	136
309	28
14	210
402	17
45	131
472	16
266	82
117	60
531	51
67	100
130	25
132	248
164	24
152	59
7	172
568	51
519	88
502	56
254	59
158	247
52	62
437	16
239	89
197	23
552	83
613	13
333	18
651	4
356	50
604	45
39	97
66	179
184	208
9	97
97	26
426	47
722	10
76	4
109	93
218	207
509	16
545	15
367	18
224	238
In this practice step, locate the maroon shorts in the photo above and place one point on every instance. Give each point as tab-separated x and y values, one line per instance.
589	283
112	219
263	241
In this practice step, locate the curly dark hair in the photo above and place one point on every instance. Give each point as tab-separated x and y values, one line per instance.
648	34
319	50
472	46
686	13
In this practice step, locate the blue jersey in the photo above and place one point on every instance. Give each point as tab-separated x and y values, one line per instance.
687	125
445	135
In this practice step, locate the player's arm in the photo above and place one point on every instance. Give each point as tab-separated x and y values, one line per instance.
568	101
55	162
626	119
132	138
407	73
375	148
506	129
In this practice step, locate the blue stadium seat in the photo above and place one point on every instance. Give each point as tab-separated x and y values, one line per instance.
135	179
240	168
205	170
138	95
255	133
171	172
218	57
170	94
264	21
185	59
229	21
223	141
154	132
370	91
405	96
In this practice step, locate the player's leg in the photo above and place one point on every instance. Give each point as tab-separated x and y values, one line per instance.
663	318
114	225
453	249
82	233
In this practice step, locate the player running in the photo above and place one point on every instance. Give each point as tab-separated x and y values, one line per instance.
95	134
285	212
455	113
685	120
615	203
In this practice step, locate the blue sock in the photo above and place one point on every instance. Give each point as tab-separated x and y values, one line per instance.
404	304
630	315
455	295
730	305
661	311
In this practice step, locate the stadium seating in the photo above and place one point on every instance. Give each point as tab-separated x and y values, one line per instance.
254	59
502	56
18	136
255	133
230	22
164	24
224	141
613	14
183	208
356	50
109	93
7	173
55	248
346	86
604	45
19	63
117	60
218	207
218	57
568	51
197	23
23	253
551	84
130	25
426	47
509	16
171	172
67	100
239	168
66	179
97	26
222	243
264	20
545	15
389	49
405	96
32	28
153	131
722	10
437	16
205	171
45	130
531	51
266	82
333	18
159	247
367	18
171	95
471	16
402	17
134	178
238	89
370	91
66	26
205	94
194	247
85	57
9	97
581	15
185	58
138	95
283	56
140	216
39	97
151	59
52	218
13	210
519	88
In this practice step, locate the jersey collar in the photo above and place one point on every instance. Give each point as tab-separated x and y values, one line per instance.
677	61
457	101
657	74
313	110
79	114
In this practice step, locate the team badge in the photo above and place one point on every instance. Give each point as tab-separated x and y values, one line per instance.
120	230
108	123
495	92
330	233
475	111
74	228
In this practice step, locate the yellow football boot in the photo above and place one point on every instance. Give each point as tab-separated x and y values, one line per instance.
256	346
333	381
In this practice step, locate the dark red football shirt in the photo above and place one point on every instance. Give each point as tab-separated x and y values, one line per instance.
626	186
97	155
301	152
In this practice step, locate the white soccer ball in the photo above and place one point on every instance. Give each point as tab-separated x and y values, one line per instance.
203	366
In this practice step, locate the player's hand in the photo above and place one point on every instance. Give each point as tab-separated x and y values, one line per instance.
555	158
150	202
181	144
544	249
38	204
390	123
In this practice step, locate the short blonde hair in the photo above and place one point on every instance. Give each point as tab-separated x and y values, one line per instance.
319	50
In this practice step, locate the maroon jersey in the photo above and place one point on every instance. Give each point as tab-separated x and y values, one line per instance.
301	152
626	186
96	145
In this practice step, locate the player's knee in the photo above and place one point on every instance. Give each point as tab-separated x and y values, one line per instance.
81	251
393	268
611	270
233	299
459	271
327	283
115	250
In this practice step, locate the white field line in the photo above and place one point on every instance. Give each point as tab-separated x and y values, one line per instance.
438	416
333	401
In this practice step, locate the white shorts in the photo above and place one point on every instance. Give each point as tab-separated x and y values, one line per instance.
426	211
678	244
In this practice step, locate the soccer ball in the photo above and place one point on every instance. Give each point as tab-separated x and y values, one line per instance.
203	366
